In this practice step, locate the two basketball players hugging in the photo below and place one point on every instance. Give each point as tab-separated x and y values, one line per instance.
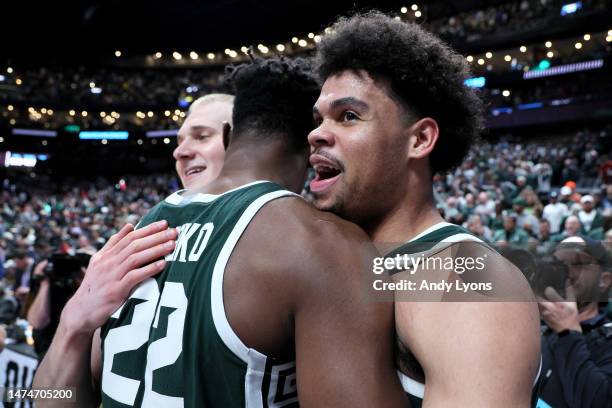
259	301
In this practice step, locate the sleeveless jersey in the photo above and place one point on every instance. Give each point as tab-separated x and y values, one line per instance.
170	344
429	242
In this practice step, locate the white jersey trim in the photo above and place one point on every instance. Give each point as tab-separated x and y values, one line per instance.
177	198
411	386
227	334
433	228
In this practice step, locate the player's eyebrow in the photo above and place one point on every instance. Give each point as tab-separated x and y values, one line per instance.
342	102
350	101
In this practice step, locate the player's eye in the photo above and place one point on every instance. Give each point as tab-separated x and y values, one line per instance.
349	116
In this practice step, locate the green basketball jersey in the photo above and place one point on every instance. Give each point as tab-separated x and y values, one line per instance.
431	241
170	344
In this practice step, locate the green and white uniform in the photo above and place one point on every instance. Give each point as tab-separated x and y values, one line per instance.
429	242
170	344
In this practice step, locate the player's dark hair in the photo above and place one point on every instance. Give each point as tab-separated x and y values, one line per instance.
274	98
423	73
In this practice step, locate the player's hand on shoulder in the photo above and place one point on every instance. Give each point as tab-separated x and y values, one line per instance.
129	257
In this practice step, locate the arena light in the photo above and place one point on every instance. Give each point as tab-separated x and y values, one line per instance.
158	55
587	37
194	55
10	108
544	64
71	112
84	114
211	56
233	54
280	47
177	55
489	55
414	7
559	102
72	128
570	8
18	81
481	61
12	159
532	105
469	58
162	133
609	38
302	43
117	53
523	48
477	82
149	114
243	49
404	10
166	140
294	40
10	69
507	58
548	44
417	14
103	135
565	69
550	54
34	132
311	35
506	93
578	45
50	112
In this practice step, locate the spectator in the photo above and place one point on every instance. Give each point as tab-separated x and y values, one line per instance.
590	218
577	345
511	234
554	212
524	220
475	226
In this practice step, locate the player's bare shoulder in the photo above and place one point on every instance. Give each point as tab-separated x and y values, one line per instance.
304	241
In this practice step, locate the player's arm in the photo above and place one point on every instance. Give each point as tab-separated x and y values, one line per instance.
344	341
476	354
128	258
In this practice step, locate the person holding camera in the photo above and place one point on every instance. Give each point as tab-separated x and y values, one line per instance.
57	280
577	343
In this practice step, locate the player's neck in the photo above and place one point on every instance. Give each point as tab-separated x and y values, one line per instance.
414	213
247	163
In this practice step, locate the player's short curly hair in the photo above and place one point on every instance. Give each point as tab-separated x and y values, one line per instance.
274	97
423	73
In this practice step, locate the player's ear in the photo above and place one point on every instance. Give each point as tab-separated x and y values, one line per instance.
227	134
423	135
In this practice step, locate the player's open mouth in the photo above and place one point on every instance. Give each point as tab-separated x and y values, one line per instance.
194	170
327	173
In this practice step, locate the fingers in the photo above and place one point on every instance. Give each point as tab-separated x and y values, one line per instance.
147	242
570	292
140	233
127	228
552	295
136	276
143	257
